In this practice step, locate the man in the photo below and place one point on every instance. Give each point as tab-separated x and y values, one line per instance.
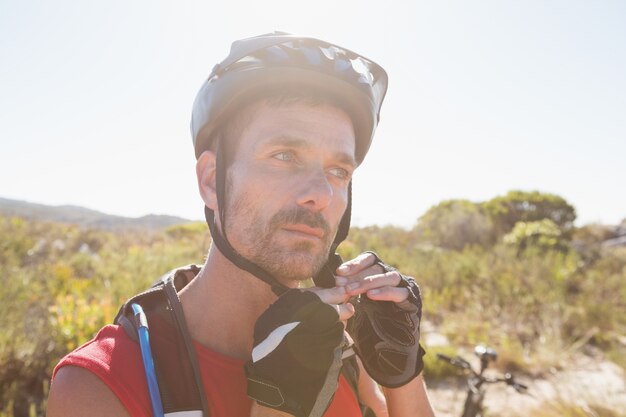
278	129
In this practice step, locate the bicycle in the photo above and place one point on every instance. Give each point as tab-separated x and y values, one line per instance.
477	381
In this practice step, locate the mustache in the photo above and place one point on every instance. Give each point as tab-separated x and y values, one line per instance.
299	215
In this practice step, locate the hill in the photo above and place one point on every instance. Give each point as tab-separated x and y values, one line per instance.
85	217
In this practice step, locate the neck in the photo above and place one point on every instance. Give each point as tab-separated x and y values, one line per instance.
222	305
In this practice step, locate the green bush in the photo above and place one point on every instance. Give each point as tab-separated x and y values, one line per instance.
60	284
535	303
435	369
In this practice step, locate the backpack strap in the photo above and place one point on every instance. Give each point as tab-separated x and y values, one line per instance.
178	374
181	324
351	372
177	368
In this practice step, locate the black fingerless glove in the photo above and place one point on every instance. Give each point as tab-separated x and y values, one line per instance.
296	359
386	335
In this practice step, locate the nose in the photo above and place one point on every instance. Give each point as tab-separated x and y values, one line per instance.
316	192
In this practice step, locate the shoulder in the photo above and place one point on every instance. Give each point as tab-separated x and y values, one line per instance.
78	392
103	377
111	347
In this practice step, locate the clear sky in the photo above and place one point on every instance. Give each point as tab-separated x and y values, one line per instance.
484	97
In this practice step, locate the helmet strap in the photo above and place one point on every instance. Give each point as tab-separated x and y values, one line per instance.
239	261
220	239
324	278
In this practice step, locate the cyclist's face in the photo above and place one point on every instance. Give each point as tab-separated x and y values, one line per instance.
287	187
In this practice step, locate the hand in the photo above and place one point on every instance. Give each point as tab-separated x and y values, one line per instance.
337	298
296	358
386	323
366	274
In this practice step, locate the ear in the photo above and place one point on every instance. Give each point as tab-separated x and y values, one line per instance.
206	173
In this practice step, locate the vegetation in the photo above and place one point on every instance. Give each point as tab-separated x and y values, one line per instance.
512	271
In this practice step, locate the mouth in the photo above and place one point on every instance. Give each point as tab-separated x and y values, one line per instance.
304	230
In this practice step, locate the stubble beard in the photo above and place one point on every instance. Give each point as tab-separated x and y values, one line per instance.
258	241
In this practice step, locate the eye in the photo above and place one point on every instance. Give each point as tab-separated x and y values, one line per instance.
284	156
340	173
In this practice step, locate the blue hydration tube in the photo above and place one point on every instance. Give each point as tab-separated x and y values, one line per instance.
148	362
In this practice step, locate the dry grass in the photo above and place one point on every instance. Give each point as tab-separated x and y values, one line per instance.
560	408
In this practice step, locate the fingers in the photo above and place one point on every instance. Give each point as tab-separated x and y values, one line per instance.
395	294
383	287
345	312
358	264
362	275
359	275
337	298
335	295
371	282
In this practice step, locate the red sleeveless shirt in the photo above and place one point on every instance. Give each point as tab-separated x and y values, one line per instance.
116	360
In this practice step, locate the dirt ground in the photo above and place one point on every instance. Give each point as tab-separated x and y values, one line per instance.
586	380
